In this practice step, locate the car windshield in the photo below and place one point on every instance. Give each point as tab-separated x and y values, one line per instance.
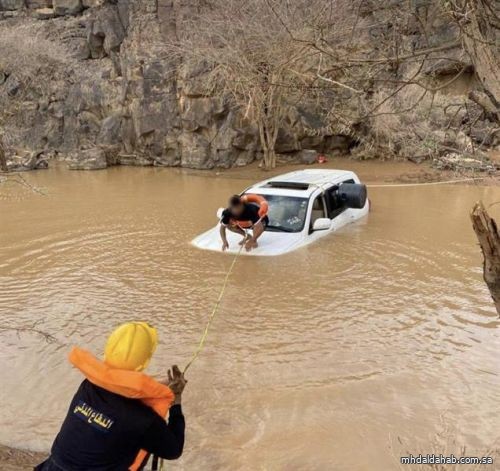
286	213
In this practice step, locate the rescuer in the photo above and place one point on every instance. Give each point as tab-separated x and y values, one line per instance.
117	417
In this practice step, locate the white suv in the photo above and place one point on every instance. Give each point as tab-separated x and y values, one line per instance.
303	206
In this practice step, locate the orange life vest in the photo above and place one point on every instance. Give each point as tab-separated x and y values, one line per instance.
263	209
260	200
131	384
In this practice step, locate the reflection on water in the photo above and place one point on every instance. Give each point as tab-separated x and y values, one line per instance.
318	359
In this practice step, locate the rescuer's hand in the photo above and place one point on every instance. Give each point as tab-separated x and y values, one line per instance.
176	382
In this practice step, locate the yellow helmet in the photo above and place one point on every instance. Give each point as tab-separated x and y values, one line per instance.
131	346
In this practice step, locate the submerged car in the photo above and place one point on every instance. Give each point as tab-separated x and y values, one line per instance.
303	206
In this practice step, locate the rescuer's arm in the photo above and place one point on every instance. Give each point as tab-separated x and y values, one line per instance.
225	244
224	222
166	440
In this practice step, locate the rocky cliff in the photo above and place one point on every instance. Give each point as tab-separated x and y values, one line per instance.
111	94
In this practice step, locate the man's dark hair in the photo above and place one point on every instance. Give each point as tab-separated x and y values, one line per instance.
235	200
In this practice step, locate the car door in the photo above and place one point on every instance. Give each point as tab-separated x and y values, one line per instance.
318	210
338	212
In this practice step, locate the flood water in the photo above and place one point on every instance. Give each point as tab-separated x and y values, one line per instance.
374	342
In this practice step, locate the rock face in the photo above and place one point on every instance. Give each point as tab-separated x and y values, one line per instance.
121	100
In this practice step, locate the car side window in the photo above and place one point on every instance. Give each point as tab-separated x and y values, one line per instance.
334	205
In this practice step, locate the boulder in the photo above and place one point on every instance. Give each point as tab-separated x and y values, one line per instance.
11	5
37	4
25	161
134	160
308	156
67	7
89	159
91	3
244	158
44	13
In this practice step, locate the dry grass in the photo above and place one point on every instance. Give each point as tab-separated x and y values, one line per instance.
25	50
32	66
417	123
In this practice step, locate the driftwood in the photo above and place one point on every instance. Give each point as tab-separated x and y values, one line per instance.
489	239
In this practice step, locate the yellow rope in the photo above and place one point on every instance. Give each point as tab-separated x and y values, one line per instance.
214	312
210	319
446	182
403	185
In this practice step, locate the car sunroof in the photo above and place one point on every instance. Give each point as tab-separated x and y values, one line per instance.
290	185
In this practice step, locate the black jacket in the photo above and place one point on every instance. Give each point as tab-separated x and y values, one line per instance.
104	431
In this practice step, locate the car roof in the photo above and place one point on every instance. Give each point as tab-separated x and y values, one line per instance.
301	182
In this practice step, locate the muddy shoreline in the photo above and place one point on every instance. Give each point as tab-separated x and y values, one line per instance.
371	172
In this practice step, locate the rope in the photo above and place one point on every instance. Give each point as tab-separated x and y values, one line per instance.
201	344
402	185
446	182
214	312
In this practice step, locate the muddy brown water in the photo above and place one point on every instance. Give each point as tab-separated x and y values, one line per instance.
375	341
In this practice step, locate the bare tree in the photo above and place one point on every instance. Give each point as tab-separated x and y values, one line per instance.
354	61
479	24
251	60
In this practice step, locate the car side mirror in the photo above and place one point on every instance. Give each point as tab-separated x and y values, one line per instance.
322	224
219	213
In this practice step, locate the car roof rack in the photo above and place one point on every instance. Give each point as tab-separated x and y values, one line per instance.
290	185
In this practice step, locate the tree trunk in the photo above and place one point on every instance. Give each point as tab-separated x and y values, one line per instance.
489	239
263	143
481	42
3	157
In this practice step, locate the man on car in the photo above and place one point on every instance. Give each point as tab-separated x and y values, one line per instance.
245	212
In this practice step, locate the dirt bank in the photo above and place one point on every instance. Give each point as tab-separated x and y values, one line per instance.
13	459
370	171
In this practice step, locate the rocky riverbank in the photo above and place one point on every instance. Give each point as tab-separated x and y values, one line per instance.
92	82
